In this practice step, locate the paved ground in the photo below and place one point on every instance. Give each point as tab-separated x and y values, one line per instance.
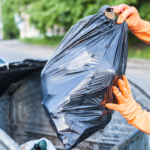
17	51
138	69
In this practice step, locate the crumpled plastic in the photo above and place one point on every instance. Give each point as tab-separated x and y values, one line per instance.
77	80
10	73
30	144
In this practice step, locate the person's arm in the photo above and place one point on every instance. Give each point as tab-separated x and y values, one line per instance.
129	108
136	25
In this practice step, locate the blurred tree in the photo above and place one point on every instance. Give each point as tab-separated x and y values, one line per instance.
47	13
9	8
10	29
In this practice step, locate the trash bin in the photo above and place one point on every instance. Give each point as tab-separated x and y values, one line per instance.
6	143
136	140
22	117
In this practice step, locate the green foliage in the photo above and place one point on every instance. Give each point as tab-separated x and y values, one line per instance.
145	53
9	9
53	41
145	11
47	13
9	27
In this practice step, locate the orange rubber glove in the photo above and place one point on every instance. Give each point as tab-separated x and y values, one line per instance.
129	108
136	25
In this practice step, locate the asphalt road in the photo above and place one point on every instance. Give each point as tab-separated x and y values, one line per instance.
139	71
10	51
14	50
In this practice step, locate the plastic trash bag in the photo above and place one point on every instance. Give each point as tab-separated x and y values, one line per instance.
77	80
30	144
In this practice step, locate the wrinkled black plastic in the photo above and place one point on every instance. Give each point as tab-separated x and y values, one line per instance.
78	75
12	72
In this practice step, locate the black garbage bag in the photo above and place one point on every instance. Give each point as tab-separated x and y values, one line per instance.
77	80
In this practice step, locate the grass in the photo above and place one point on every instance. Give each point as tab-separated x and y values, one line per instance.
137	48
139	53
53	41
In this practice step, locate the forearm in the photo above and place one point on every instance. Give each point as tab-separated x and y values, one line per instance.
142	31
141	121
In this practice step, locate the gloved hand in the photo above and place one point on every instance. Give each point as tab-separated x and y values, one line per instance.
129	108
136	25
